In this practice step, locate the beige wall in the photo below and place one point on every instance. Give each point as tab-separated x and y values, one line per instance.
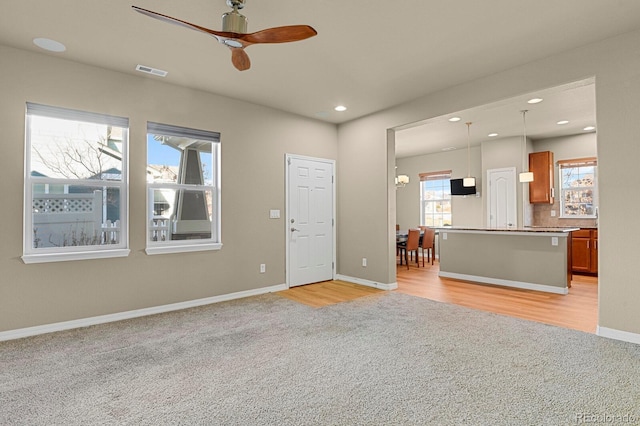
563	148
466	211
502	153
254	142
364	216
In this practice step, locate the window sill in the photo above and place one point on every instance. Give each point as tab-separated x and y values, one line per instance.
183	248
83	255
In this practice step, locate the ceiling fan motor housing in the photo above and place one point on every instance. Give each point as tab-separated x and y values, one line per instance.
234	22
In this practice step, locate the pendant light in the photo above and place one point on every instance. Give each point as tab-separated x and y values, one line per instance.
469	180
525	176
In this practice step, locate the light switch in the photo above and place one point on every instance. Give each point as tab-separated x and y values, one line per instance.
274	214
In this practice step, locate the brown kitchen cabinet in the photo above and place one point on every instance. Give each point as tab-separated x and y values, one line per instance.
584	251
541	189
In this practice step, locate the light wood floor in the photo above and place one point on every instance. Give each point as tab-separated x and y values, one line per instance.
327	293
577	310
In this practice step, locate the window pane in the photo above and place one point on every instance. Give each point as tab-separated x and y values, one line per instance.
69	149
180	214
578	191
436	202
76	193
185	209
84	216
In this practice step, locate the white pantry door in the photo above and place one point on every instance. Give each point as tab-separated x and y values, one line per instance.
310	220
501	202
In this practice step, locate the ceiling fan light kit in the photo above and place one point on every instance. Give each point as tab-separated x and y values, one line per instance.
234	32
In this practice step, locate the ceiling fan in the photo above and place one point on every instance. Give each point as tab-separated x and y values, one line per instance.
234	32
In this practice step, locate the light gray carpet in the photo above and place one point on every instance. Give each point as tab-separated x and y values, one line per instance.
387	359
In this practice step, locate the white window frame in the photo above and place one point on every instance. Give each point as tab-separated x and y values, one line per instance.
575	163
70	253
441	175
191	245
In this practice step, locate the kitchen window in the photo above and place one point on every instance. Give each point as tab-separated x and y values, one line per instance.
435	199
183	187
578	180
75	185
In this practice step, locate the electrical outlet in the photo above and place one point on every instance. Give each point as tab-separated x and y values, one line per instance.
364	261
554	241
263	268
553	213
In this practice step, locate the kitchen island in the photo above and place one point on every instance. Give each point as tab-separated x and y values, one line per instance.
529	258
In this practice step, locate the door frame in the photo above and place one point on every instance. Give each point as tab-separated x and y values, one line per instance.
512	175
287	159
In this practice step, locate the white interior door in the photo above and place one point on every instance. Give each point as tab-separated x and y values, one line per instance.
502	205
310	220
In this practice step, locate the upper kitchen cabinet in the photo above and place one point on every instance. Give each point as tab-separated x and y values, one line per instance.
541	189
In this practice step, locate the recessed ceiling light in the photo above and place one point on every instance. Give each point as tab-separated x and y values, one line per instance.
589	128
534	101
492	135
454	119
50	45
563	122
340	108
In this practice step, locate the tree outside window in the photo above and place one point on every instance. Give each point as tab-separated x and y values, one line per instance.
75	184
578	198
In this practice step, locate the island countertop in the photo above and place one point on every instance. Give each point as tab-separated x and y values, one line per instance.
513	230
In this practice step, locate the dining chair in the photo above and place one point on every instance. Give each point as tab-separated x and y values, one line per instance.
428	243
411	245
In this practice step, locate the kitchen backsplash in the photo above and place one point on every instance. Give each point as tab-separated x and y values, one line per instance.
542	217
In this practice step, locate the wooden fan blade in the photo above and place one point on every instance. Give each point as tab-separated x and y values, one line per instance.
176	21
279	34
240	59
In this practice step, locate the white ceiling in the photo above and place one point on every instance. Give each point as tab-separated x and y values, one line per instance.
368	55
575	103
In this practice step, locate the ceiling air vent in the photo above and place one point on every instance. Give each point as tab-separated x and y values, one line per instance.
150	70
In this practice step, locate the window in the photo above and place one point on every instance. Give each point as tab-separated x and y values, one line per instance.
183	187
75	185
578	198
435	198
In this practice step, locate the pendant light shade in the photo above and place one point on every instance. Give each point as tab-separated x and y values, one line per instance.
525	176
469	181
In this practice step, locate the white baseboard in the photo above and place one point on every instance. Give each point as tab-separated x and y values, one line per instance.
612	333
391	286
506	283
85	322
